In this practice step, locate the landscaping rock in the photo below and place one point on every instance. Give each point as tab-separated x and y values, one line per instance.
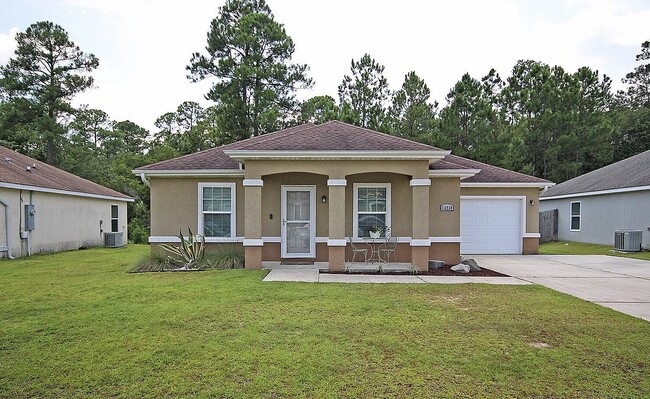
473	266
436	264
460	268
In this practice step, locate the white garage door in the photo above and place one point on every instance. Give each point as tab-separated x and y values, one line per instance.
490	226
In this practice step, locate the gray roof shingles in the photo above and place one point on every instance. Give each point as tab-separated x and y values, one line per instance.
13	170
630	172
334	136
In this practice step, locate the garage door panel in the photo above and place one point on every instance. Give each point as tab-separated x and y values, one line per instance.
490	226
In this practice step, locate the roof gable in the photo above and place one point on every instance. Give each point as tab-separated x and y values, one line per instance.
21	170
630	172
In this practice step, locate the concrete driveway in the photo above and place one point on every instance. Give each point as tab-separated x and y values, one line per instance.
622	284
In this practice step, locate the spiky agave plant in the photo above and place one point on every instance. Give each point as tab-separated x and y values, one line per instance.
190	252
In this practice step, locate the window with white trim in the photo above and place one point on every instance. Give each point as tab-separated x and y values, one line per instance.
575	216
115	219
217	210
372	208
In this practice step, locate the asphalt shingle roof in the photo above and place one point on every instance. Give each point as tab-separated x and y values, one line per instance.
334	136
630	172
14	170
488	173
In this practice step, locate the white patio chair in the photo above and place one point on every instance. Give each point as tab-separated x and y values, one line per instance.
388	248
356	250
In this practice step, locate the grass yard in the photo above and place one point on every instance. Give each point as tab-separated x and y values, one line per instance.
579	248
75	325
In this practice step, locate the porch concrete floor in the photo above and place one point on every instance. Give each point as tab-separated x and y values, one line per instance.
312	274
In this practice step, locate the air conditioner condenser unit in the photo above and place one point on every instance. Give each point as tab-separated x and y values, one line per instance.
628	240
114	240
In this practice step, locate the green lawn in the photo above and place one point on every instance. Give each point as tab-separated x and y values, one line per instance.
75	325
579	248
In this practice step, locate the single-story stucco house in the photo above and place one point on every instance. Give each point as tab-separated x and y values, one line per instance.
303	192
593	206
45	209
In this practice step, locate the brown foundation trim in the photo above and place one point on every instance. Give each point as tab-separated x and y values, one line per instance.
531	246
449	252
253	257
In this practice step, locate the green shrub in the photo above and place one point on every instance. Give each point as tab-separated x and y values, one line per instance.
226	258
154	261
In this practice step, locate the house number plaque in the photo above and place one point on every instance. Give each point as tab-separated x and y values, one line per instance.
447	207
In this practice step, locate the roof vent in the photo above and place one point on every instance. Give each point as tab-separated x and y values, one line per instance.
29	169
8	159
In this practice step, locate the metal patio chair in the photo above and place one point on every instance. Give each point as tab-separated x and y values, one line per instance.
356	250
388	248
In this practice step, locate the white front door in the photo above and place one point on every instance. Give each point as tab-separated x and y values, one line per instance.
298	221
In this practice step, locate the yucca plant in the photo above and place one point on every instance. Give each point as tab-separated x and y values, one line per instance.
190	252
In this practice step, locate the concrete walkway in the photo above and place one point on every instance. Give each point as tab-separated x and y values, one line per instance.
622	284
311	274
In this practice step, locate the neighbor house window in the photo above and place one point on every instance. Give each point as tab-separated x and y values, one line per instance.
115	219
217	210
371	207
575	216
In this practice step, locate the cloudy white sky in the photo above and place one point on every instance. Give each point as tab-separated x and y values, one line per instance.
144	45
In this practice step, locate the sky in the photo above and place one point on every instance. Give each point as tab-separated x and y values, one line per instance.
143	46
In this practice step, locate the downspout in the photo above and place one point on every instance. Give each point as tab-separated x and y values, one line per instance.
143	177
7	229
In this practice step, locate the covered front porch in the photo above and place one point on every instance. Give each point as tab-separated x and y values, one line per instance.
315	210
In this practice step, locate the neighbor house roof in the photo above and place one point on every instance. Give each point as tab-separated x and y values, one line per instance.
22	172
629	174
332	139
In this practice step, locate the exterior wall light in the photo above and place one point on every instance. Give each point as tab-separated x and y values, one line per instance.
532	202
323	199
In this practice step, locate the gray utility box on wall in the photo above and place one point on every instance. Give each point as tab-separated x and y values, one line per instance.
30	215
628	240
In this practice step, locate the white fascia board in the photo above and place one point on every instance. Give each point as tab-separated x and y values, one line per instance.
462	173
190	173
507	185
444	239
240	155
602	192
62	192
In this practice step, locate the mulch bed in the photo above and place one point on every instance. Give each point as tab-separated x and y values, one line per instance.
444	271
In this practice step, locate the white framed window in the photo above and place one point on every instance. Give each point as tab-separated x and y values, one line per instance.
575	215
217	210
371	207
115	218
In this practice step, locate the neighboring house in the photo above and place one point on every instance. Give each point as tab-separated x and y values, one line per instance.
44	209
300	192
592	206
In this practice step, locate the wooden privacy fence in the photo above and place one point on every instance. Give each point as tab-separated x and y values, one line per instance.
548	226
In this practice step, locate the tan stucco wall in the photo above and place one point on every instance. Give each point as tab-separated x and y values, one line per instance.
271	201
532	193
336	168
444	223
62	221
174	204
